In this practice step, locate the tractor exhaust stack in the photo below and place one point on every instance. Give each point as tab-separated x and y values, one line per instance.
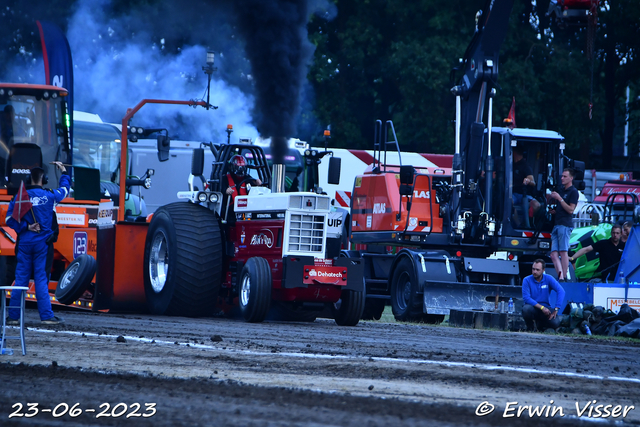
278	178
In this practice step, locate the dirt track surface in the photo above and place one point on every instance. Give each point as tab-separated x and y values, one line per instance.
219	371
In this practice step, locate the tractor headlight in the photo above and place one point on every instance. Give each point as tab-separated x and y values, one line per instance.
202	197
147	183
213	198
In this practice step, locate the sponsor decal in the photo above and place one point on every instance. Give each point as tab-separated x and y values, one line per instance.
242	203
614	304
79	244
630	190
334	220
263	239
379	208
105	214
368	221
242	237
325	274
358	181
72	219
22	171
421	194
37	201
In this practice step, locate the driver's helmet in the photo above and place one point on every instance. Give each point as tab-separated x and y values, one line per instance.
238	165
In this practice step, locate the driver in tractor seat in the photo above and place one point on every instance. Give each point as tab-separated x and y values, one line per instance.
238	182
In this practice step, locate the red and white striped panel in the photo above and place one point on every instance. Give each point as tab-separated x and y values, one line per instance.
413	226
419	229
530	234
343	198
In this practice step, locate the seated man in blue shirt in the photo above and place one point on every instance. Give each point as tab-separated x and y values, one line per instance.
535	293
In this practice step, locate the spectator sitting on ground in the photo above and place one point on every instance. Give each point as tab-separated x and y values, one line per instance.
536	289
609	250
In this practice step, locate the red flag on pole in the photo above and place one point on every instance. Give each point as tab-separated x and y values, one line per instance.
511	118
22	204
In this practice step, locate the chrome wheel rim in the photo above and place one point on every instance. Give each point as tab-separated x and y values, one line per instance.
245	290
68	276
158	262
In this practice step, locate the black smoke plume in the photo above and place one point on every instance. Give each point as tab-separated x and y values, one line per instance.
277	46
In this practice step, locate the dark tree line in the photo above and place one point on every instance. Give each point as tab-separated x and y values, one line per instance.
391	60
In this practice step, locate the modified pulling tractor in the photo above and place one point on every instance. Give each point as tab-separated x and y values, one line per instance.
261	247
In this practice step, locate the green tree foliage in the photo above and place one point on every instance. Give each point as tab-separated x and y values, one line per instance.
391	60
379	59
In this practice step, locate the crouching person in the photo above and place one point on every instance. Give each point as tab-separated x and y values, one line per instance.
535	294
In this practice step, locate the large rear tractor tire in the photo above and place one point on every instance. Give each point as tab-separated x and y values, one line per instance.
348	310
406	303
183	261
255	290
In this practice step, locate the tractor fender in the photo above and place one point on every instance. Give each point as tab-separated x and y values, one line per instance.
350	254
428	265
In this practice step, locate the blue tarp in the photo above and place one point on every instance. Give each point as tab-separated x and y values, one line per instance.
630	261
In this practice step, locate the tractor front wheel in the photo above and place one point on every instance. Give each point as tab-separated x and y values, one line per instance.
348	310
255	290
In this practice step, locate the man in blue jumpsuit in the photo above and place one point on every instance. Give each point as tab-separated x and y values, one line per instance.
31	250
535	294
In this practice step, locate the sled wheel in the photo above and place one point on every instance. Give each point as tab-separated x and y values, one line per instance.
373	308
75	279
183	260
255	290
284	311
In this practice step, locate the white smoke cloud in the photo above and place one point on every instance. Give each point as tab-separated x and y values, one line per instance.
115	68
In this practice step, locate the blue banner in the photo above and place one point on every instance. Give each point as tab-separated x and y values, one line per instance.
58	65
